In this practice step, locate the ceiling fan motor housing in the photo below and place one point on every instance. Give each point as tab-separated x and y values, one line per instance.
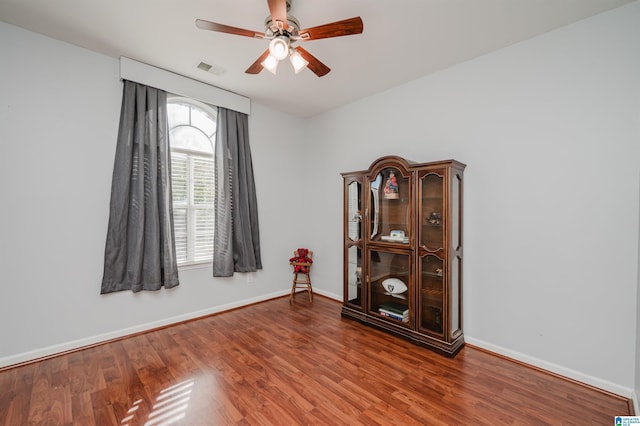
271	30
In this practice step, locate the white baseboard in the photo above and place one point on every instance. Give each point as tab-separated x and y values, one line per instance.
557	369
93	340
330	295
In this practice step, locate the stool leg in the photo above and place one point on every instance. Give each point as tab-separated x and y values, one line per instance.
298	283
293	286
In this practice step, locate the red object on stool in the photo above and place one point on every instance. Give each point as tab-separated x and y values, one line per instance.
301	262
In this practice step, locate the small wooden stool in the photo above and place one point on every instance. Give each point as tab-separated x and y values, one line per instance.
301	262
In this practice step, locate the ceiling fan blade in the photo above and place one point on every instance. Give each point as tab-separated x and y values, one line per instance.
335	29
256	67
221	28
278	10
315	65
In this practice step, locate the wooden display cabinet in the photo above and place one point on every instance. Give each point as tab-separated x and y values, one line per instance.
403	250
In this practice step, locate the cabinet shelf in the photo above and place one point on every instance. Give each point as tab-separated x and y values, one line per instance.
432	292
432	274
397	240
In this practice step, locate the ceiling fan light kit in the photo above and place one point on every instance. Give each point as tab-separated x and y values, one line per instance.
270	64
279	47
297	61
283	30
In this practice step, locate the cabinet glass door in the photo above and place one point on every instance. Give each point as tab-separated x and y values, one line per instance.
432	294
432	214
354	215
354	276
389	285
455	273
389	212
353	245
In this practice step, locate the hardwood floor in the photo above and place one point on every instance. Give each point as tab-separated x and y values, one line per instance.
276	363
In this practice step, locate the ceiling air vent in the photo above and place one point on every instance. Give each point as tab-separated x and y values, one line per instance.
204	67
211	68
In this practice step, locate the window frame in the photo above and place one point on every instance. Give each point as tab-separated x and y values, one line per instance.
191	156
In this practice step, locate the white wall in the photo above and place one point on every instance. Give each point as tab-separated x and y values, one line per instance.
549	131
59	112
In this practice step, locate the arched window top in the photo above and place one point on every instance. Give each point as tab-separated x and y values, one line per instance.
192	125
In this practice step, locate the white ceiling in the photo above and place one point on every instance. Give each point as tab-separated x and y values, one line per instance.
402	39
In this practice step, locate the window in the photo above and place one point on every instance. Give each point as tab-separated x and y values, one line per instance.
192	131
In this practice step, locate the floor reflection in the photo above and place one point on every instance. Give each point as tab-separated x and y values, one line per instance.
170	406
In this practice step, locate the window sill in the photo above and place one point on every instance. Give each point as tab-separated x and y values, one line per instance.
195	265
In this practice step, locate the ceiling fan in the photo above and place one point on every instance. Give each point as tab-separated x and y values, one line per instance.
283	31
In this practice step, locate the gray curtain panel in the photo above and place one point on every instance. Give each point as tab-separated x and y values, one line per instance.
140	248
236	246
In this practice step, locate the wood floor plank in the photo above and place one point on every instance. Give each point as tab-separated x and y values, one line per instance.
277	363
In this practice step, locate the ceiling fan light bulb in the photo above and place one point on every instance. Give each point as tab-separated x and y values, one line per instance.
298	62
270	64
279	47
